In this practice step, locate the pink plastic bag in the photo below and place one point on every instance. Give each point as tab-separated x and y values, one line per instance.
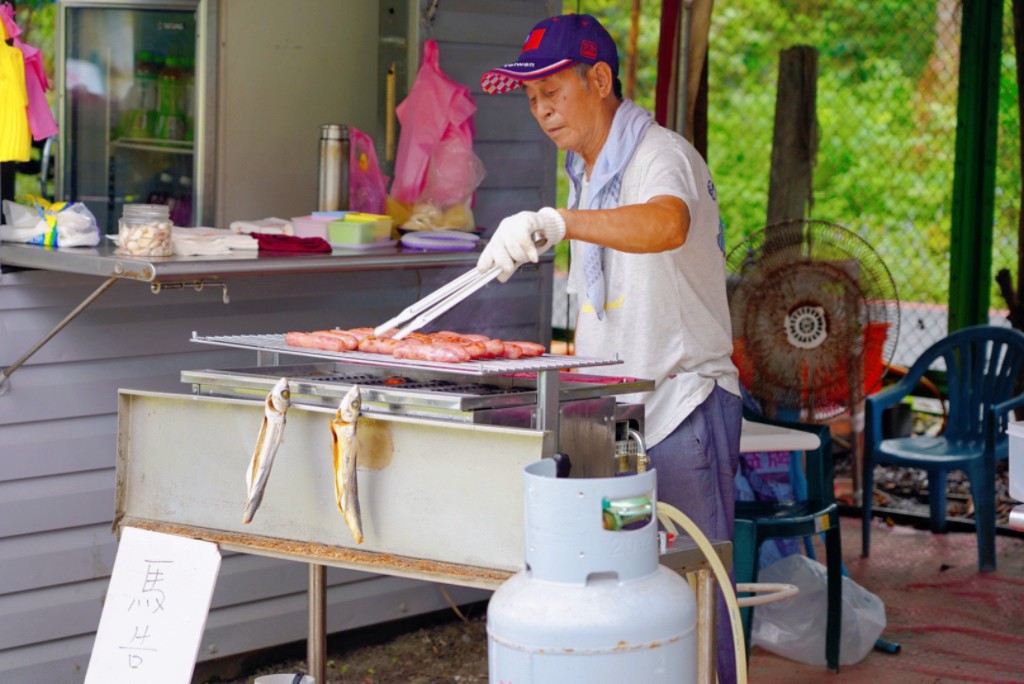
453	174
40	118
437	109
367	186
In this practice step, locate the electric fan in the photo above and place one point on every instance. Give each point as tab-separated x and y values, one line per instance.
815	318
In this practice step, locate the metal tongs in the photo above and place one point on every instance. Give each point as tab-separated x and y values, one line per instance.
444	298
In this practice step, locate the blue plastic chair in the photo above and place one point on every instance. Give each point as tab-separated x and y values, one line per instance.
982	366
759	521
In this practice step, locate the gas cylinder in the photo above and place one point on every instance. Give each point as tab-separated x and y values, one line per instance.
593	604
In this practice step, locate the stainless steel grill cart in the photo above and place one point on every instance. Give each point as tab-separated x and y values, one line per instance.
441	452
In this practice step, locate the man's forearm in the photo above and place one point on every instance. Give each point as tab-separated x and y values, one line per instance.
656	226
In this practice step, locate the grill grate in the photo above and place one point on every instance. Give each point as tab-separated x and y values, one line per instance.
398	382
275	343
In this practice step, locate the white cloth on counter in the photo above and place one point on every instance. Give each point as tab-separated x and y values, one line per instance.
203	241
267	226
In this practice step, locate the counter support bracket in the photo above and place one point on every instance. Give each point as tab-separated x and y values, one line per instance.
5	374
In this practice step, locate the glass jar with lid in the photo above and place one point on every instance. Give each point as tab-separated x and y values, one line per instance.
145	230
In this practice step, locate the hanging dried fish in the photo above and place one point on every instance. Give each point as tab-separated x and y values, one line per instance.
346	485
267	443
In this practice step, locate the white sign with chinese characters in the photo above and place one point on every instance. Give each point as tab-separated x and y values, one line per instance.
155	610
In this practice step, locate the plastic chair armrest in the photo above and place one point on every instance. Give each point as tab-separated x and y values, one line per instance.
1005	407
892	394
876	404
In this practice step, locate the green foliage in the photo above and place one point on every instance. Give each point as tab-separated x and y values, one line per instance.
886	107
615	16
38	22
1005	243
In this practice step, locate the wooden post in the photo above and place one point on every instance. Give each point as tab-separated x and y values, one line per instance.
974	175
631	51
696	62
795	141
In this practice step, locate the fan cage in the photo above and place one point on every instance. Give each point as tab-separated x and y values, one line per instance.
811	273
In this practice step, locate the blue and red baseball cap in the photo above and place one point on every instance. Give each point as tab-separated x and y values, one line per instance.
554	44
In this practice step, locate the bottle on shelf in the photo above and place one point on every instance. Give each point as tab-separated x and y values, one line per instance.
188	94
140	111
168	94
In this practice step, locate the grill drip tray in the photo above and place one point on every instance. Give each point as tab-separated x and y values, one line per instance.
404	390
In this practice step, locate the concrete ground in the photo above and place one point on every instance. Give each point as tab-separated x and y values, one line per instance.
953	624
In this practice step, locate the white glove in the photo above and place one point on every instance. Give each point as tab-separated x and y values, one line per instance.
512	243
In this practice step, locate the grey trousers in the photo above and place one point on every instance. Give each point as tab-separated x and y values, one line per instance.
696	468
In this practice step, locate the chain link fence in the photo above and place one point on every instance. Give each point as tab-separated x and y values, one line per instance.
887	115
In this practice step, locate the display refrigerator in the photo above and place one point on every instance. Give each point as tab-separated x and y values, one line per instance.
134	83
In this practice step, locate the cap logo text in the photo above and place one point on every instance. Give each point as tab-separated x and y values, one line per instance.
588	49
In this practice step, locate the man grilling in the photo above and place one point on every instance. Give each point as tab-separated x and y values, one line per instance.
648	264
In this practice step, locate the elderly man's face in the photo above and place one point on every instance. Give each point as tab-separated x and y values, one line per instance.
564	105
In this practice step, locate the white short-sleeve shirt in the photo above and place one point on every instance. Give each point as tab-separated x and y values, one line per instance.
667	313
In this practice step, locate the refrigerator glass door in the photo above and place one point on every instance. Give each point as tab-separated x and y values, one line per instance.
127	116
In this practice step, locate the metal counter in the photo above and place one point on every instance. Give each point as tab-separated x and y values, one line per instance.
102	261
199	272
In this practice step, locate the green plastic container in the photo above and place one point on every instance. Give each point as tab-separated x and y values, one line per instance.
351	232
359	229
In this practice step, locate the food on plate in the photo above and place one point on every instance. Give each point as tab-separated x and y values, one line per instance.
346	484
267	442
445	346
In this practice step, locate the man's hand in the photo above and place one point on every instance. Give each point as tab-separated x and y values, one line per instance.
512	243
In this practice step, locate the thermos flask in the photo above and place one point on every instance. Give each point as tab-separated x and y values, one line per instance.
334	152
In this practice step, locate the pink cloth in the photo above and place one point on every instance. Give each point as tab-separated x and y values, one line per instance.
40	118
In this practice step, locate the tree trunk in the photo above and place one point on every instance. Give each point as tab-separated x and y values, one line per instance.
696	60
700	113
795	140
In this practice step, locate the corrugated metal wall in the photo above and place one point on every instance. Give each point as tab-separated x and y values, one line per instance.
474	36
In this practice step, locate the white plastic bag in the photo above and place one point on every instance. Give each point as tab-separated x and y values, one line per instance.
53	225
76	227
795	628
22	223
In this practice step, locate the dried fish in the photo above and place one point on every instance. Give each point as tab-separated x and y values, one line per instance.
267	443
346	484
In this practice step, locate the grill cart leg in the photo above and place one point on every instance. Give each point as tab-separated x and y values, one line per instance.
707	609
316	644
